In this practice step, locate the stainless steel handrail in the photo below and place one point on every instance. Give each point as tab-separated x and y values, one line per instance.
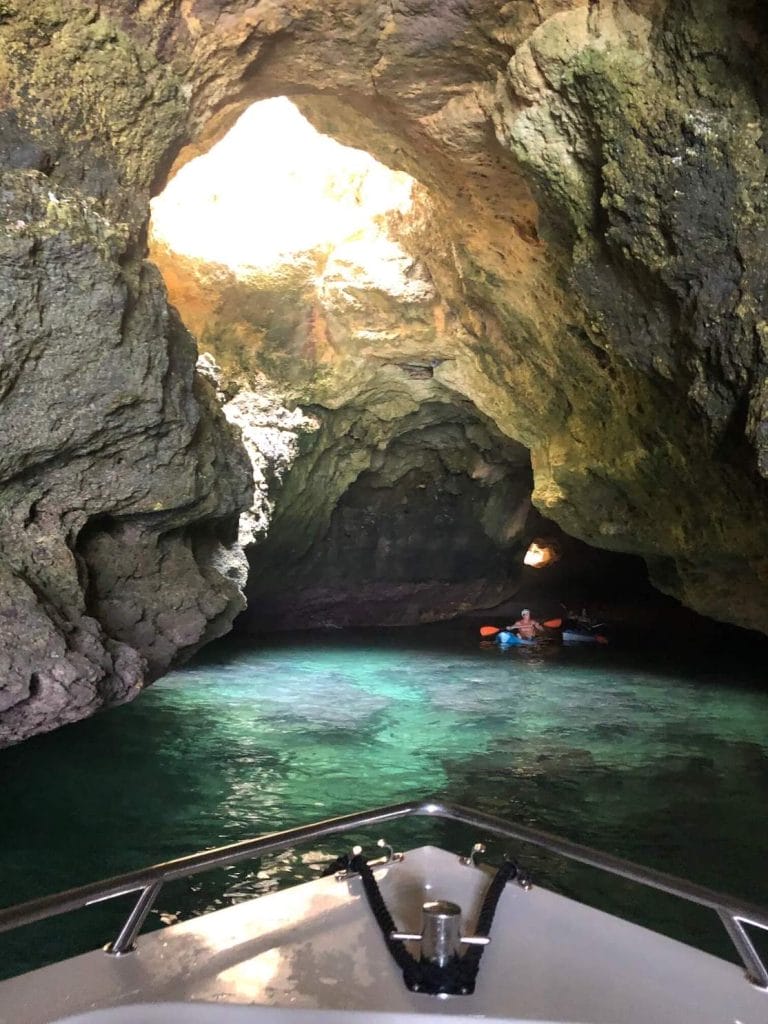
149	881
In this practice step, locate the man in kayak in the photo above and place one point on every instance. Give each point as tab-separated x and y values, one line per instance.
525	626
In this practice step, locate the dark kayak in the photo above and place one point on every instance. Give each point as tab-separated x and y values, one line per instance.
582	636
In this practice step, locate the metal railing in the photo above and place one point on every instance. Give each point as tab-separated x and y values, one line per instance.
148	882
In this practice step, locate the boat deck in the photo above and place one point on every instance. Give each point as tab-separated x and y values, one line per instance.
316	947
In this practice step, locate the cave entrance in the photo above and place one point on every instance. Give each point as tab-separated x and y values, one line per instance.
314	278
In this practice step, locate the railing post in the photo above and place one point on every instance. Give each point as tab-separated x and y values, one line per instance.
126	939
756	971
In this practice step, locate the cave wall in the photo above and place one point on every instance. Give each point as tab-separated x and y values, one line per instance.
121	480
434	524
596	238
404	504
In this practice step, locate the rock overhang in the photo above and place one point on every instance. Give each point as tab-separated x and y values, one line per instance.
626	350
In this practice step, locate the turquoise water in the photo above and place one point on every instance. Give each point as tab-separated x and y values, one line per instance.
660	759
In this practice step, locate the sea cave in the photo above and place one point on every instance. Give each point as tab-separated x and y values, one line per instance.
335	334
564	208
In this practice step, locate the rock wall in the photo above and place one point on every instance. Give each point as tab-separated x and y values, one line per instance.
595	240
121	480
434	523
399	502
598	174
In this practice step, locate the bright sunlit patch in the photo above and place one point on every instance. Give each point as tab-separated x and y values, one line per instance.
534	556
541	554
273	188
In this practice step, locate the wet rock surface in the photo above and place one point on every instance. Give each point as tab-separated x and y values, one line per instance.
592	234
121	480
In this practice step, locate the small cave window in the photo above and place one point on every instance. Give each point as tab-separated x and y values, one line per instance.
541	553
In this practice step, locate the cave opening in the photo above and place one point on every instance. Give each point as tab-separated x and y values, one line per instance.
384	493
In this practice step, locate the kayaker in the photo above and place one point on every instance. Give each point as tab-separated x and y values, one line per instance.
527	627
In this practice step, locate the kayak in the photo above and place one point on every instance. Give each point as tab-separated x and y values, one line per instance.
507	639
581	636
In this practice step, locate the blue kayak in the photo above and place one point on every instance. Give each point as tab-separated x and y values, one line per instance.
507	639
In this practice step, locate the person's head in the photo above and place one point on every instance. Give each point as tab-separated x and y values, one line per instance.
525	613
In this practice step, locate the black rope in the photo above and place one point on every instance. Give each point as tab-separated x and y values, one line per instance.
407	963
506	873
340	864
455	978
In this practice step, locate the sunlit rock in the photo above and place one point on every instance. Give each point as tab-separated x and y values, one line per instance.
270	435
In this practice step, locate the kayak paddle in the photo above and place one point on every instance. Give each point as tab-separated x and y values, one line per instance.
489	630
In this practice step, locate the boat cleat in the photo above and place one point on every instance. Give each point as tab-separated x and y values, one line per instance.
440	935
474	854
522	878
390	857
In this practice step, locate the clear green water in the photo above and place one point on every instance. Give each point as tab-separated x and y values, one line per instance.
661	760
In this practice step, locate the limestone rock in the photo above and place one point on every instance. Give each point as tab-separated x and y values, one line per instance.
120	477
596	177
270	434
593	239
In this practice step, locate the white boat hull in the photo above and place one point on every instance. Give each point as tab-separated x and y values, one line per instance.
316	947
